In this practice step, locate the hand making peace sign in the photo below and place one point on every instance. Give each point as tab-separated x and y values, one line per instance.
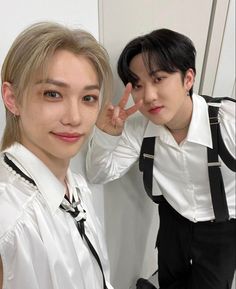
112	118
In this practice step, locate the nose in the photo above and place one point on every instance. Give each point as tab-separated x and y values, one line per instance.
150	94
72	113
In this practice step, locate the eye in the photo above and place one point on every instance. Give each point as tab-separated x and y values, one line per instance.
90	98
136	86
157	79
51	94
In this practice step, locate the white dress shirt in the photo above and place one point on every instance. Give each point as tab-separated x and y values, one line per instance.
180	171
40	245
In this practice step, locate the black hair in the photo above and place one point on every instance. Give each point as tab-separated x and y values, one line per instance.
162	49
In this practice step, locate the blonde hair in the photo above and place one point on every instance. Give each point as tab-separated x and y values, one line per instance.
30	54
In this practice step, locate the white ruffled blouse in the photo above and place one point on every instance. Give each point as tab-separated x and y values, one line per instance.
40	245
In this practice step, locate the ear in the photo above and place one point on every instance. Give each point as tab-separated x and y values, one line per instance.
9	98
189	79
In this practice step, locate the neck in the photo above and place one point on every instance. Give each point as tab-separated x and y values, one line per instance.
178	129
182	119
58	168
179	134
67	189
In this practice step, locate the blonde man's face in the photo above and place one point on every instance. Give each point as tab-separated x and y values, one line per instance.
59	112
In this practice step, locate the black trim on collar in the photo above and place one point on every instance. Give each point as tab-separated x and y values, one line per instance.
17	170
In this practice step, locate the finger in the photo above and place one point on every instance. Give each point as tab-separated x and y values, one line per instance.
116	114
126	94
134	108
119	123
110	107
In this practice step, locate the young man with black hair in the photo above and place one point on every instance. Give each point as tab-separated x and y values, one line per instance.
197	236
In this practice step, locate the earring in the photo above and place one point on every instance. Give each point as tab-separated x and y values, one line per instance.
14	116
188	94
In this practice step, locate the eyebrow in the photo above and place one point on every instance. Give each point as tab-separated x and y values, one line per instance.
63	84
153	72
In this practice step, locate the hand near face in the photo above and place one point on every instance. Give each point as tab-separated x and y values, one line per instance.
112	118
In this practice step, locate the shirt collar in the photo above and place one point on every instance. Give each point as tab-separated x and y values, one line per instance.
49	186
199	129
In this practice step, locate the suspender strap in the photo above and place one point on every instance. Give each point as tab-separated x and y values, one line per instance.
146	163
223	152
215	177
146	160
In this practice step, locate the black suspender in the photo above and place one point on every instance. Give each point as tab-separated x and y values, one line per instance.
217	139
146	160
146	163
219	202
218	195
215	176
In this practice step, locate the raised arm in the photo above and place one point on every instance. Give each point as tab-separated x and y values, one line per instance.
111	153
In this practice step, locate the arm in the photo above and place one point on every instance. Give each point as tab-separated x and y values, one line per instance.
1	273
111	152
109	157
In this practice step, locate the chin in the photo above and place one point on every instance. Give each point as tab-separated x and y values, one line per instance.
157	121
68	153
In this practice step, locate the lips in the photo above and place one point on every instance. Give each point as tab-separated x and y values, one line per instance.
155	109
67	137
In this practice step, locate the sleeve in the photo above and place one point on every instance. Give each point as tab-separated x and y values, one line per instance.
110	157
227	113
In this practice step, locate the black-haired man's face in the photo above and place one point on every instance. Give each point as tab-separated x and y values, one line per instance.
165	95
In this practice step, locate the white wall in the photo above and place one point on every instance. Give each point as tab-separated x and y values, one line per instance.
120	21
218	77
224	84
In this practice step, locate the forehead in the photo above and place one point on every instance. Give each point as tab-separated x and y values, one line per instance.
140	65
67	66
137	60
145	61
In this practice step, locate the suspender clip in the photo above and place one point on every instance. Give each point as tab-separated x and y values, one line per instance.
148	156
214	120
214	164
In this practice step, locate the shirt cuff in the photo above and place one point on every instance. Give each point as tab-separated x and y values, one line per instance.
104	139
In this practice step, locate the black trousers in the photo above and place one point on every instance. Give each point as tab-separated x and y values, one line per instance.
195	255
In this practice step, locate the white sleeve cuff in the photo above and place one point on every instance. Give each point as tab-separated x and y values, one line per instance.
104	139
